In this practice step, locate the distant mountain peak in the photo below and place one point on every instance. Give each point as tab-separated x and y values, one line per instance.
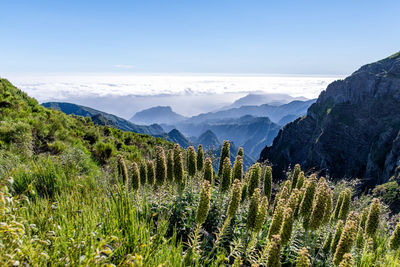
256	99
158	114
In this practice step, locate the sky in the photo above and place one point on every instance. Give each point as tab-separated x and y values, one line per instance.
208	36
193	55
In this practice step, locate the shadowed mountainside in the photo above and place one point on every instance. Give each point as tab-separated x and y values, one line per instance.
353	130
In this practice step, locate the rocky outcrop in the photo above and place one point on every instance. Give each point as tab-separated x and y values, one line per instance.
353	130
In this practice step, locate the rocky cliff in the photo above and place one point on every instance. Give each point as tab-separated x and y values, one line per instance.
353	130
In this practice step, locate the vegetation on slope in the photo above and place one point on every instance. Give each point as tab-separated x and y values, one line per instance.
109	201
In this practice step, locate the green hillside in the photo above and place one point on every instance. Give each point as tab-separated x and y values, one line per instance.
78	194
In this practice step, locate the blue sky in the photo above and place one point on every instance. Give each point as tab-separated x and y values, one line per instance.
217	36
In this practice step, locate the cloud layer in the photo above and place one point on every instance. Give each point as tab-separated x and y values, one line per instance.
124	95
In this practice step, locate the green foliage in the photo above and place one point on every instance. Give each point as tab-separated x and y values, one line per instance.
60	204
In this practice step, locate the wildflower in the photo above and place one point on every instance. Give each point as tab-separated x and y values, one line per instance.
274	251
224	154
200	158
240	151
226	175
327	244
268	182
204	203
161	166
277	219
261	214
338	205
372	222
178	166
345	207
237	172
170	165
122	170
135	176
345	242
191	161
395	238
143	172
318	211
253	209
307	202
336	237
235	198
151	173
287	226
296	173
347	261
300	180
254	178
303	258
208	171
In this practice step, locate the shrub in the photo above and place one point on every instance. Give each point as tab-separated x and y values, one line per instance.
103	152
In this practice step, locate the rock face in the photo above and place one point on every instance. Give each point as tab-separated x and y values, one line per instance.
352	131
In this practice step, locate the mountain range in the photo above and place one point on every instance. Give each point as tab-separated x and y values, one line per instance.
353	129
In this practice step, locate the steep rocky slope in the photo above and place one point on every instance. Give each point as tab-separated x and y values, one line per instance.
353	130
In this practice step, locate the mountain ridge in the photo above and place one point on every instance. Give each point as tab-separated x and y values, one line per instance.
352	130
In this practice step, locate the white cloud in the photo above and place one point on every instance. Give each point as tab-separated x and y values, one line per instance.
187	94
122	66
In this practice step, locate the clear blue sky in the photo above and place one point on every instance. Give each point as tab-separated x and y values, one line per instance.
216	36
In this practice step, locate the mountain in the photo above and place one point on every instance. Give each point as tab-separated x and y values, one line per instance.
252	133
353	129
209	140
296	108
177	137
158	114
103	118
260	99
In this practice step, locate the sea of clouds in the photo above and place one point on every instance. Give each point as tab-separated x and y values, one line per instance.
124	95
